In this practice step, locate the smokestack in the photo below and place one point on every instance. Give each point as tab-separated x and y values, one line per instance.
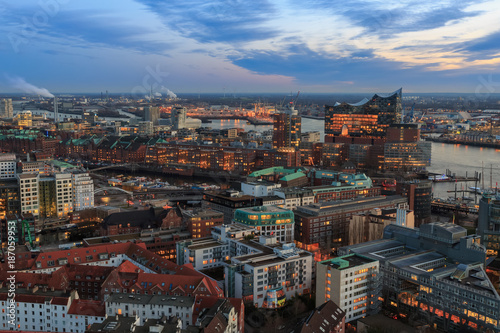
56	116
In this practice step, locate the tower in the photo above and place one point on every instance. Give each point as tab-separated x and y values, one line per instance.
178	118
287	129
56	115
152	113
6	109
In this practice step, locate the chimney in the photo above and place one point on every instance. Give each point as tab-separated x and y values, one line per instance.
35	289
56	117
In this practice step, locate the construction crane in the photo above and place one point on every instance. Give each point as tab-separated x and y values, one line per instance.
411	117
294	100
25	228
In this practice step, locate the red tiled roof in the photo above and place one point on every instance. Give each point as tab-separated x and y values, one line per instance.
87	308
127	266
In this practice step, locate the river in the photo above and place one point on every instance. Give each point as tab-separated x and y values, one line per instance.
460	159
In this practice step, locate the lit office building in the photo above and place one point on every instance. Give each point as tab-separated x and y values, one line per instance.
404	151
268	221
367	118
488	226
434	275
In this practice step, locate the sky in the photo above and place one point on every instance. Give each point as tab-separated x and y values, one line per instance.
241	46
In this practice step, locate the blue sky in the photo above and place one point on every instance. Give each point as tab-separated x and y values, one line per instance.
242	46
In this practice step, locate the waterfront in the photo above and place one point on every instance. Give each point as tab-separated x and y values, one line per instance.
460	159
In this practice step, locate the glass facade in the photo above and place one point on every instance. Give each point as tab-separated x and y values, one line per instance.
368	118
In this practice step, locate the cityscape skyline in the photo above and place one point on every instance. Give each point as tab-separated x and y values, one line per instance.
233	47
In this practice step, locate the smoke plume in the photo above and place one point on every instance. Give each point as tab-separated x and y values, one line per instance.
19	83
169	92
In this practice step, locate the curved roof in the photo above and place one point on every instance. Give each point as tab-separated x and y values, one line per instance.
366	100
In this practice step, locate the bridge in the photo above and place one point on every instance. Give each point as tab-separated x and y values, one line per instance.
445	207
107	189
113	166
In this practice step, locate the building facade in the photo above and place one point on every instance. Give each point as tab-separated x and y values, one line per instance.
28	190
367	118
6	109
268	221
326	225
351	282
488	226
83	190
434	275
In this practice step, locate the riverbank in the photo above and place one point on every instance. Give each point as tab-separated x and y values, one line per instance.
463	142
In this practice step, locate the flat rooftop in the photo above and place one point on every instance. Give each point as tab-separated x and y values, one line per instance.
349	261
181	301
333	207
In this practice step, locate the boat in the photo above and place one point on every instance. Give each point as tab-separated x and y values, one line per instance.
476	189
442	178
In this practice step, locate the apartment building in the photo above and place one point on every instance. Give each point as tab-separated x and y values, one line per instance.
351	282
83	190
50	311
64	194
28	188
268	278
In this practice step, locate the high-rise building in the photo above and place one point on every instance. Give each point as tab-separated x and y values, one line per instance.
9	198
64	194
287	129
367	118
178	118
83	191
152	113
488	225
28	185
48	197
6	109
351	282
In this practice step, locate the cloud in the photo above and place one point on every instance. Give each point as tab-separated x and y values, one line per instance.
227	21
19	83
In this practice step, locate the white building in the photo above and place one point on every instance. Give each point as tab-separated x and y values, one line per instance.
51	312
151	307
351	282
213	252
7	166
295	197
269	278
6	108
64	194
37	167
260	188
83	191
28	185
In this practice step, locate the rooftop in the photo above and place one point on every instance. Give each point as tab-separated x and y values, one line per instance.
180	301
349	261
